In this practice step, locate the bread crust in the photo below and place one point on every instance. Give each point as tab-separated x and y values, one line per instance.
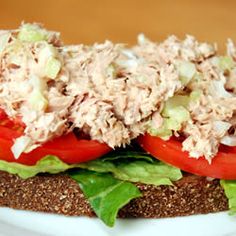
62	195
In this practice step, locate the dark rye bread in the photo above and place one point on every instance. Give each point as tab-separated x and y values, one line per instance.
60	194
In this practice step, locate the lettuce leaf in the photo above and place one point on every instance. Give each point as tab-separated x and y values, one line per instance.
105	194
128	166
48	164
156	173
229	187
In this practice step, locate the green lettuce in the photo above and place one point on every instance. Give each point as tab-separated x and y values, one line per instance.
229	187
135	168
156	173
105	194
48	164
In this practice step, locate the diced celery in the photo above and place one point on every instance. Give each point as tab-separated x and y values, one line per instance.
175	113
177	100
173	124
52	68
195	95
163	132
176	116
186	71
37	101
179	113
31	33
226	63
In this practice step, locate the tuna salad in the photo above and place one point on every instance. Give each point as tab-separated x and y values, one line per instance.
114	93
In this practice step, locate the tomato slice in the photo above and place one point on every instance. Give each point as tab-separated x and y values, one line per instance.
223	165
15	124
68	148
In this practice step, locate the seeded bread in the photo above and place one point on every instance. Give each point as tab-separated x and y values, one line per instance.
62	195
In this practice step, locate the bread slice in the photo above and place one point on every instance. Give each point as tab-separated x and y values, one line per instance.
62	195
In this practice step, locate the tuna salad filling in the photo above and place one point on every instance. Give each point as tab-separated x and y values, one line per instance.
114	93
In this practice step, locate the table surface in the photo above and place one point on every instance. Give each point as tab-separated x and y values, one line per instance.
120	21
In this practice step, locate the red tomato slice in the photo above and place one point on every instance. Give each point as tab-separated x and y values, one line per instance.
3	114
68	148
15	124
223	165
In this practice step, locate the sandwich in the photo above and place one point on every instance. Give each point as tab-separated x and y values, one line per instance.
111	131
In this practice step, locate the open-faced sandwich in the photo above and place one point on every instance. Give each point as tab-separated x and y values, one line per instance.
115	131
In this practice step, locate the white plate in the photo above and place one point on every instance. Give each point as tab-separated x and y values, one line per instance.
22	223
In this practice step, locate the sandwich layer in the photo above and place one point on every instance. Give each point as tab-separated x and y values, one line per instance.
61	195
113	93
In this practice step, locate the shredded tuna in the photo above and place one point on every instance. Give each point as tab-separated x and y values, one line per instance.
21	66
173	49
114	93
217	105
203	131
130	91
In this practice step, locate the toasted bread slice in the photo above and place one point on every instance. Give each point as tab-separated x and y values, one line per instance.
62	195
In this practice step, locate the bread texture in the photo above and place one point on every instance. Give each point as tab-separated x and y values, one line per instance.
61	195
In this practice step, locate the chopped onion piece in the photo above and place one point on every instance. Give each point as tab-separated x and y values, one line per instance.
37	83
47	52
221	127
129	54
131	60
130	63
217	89
229	140
20	145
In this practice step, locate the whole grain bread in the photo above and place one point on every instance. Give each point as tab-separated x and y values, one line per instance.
62	195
